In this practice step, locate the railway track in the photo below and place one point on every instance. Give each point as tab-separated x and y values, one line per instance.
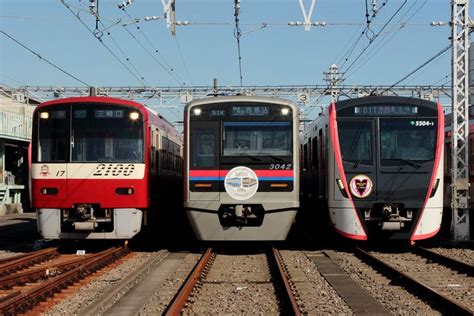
445	282
194	288
22	261
39	278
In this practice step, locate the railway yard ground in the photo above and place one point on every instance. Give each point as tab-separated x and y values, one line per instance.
57	278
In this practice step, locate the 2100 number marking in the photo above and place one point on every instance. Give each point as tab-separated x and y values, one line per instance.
115	170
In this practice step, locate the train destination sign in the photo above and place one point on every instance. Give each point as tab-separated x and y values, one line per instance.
376	110
250	110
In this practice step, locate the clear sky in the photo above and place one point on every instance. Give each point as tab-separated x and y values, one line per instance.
275	55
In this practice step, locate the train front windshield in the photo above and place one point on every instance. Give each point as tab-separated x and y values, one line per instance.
408	139
89	133
389	141
257	138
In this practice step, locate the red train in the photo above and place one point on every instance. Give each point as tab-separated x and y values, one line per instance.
97	167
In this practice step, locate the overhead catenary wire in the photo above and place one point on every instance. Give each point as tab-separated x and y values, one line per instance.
137	76
175	77
345	57
381	44
438	54
164	65
183	60
374	38
43	58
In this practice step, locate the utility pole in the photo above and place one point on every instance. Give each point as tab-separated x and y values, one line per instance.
333	77
460	24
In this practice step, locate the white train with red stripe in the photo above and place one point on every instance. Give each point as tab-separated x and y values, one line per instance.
375	164
241	178
97	163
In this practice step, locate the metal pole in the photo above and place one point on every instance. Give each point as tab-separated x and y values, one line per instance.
460	120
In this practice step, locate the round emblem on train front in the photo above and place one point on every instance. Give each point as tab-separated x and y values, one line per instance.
241	183
361	186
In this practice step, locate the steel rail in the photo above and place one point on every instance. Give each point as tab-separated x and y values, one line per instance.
452	263
178	302
19	262
285	279
21	302
437	297
43	272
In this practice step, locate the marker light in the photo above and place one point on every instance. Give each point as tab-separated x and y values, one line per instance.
197	111
435	187
134	116
44	115
340	184
285	111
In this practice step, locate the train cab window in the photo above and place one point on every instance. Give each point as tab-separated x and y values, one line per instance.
204	148
106	135
53	138
407	140
356	141
257	138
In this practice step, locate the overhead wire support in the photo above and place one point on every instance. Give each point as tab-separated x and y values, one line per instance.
46	60
460	25
238	34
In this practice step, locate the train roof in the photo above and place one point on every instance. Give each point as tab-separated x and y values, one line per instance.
151	115
239	98
97	99
385	99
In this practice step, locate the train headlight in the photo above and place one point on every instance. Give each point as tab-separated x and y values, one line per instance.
197	111
44	115
285	111
134	116
340	184
434	188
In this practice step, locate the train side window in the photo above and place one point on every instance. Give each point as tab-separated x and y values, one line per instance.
204	148
301	156
310	157
305	156
449	162
471	157
314	154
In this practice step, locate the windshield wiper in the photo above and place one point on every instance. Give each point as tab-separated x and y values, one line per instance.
276	158
251	157
406	162
356	163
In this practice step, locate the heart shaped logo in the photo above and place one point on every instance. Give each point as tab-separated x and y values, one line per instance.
361	186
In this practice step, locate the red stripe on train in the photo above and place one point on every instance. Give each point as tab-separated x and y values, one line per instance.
223	173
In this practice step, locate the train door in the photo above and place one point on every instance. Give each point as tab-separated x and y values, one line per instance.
51	153
357	141
204	162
